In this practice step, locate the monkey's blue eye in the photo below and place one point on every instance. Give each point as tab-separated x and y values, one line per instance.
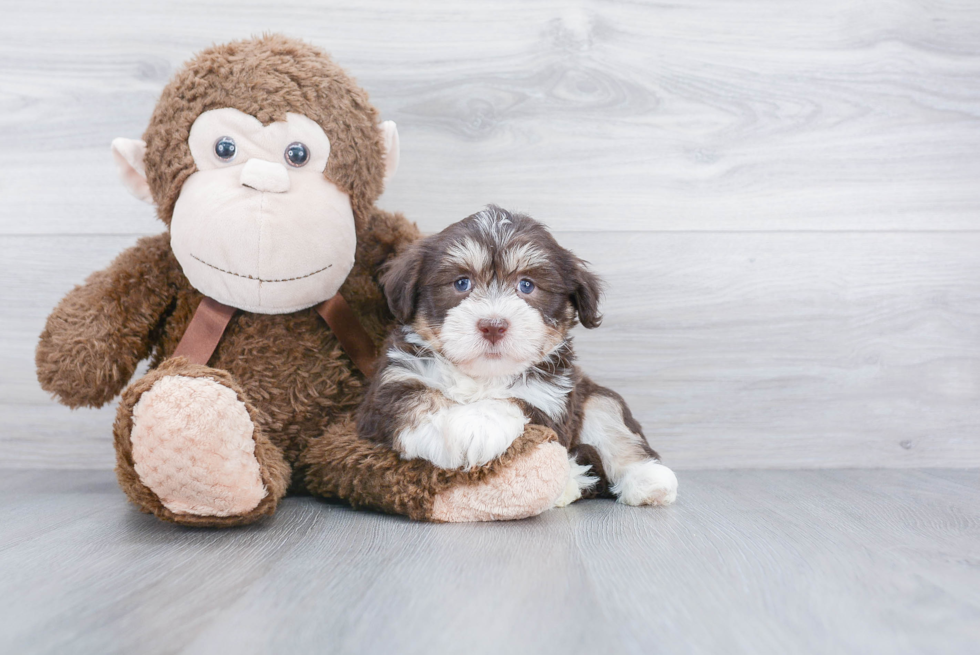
526	286
297	154
463	284
225	149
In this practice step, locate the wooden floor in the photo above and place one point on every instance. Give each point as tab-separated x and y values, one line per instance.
847	561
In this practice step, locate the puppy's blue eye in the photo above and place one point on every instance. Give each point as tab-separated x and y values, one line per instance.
225	149
525	286
297	154
463	284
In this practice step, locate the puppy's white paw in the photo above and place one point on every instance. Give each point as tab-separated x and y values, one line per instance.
646	483
480	432
578	481
464	436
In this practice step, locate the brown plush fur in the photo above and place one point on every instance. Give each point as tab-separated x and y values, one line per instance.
298	385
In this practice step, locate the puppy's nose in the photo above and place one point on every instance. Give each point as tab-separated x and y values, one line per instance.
492	329
264	175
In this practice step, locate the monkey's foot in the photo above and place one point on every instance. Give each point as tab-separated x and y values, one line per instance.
529	486
192	445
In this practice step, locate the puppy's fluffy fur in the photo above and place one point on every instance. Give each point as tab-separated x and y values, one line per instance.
486	307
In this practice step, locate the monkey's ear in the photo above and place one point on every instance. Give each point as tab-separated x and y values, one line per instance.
392	151
401	282
586	295
128	155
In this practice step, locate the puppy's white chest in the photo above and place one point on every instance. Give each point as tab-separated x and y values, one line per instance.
464	435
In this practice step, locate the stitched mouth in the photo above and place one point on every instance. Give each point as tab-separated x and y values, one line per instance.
258	279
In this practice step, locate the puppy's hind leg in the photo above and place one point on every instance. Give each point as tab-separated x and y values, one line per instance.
579	481
632	468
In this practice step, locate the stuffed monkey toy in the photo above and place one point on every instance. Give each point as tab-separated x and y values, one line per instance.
260	308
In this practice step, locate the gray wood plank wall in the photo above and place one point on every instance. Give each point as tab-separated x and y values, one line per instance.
784	197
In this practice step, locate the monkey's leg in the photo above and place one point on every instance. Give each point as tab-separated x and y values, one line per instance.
525	481
189	449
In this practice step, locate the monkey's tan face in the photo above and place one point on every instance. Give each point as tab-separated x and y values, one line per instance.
258	226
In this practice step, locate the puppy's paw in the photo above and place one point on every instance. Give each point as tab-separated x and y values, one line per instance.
579	480
480	432
464	436
646	483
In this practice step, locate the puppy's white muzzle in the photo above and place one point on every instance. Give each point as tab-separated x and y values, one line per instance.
492	335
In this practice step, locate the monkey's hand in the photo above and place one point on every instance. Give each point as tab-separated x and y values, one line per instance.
101	330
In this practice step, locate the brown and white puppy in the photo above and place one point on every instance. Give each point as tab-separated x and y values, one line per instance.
486	306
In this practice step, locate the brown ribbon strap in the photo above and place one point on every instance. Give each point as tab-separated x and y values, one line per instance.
211	318
204	332
352	336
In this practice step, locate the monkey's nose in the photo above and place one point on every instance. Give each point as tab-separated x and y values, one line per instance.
263	175
492	329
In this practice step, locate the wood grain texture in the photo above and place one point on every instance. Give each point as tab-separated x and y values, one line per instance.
850	562
754	115
734	350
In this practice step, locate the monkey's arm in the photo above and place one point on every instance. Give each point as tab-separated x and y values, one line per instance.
101	330
524	481
385	235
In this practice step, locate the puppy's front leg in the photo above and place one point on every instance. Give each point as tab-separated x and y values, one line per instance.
464	436
483	430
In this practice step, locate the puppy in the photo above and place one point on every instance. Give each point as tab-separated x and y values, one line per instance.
486	307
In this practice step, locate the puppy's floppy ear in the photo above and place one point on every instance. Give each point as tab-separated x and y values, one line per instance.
401	282
586	294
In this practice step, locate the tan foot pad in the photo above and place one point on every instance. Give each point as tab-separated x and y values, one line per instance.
530	486
193	447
